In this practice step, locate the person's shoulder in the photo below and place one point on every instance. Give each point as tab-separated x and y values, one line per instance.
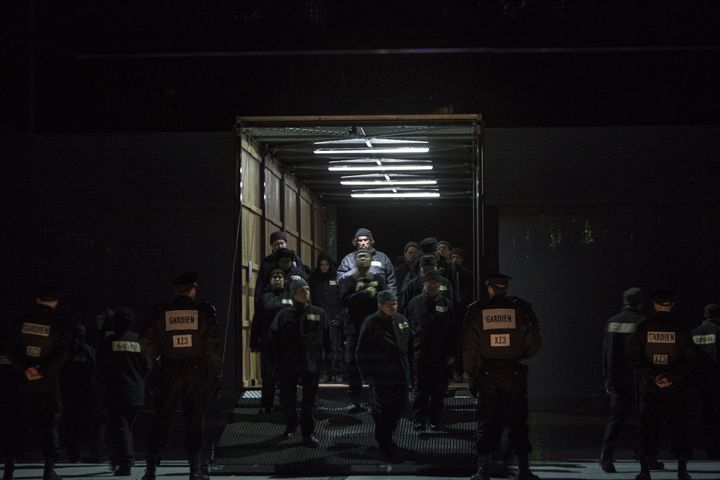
518	302
207	307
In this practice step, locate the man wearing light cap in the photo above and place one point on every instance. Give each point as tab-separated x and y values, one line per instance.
380	263
500	332
382	353
663	355
301	340
278	241
183	338
619	377
707	339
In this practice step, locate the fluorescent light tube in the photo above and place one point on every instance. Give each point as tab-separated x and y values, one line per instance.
377	168
397	195
343	151
381	183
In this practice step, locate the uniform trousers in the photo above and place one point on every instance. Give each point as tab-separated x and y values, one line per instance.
121	421
430	387
388	403
288	399
622	398
668	404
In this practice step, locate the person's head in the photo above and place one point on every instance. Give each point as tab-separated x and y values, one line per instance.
428	246
363	238
277	278
48	297
428	263
443	249
633	298
712	310
284	258
387	302
363	258
123	320
186	284
103	319
457	256
663	301
300	291
410	251
431	284
497	284
324	263
278	240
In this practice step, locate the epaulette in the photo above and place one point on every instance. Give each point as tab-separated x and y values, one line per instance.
208	307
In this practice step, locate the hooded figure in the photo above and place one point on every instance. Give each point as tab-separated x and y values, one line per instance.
325	293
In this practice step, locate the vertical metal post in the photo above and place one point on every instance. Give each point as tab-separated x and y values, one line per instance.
478	208
238	277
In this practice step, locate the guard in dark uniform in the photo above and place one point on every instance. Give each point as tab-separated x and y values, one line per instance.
500	332
358	293
619	377
182	336
382	353
432	325
707	338
274	299
38	348
9	421
124	369
325	293
301	338
661	352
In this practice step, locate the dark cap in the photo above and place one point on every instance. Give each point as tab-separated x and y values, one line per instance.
48	294
275	270
364	232
410	244
428	245
662	296
446	243
433	275
279	235
457	251
427	260
497	280
297	283
189	279
632	296
283	253
386	296
123	319
712	310
362	250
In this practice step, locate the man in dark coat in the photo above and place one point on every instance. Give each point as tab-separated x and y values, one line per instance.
707	338
182	336
404	265
358	293
619	377
274	299
278	241
380	264
301	337
325	293
382	353
38	348
431	322
124	368
501	331
663	355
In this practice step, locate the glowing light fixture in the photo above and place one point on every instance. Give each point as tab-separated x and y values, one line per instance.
377	168
397	195
354	151
382	183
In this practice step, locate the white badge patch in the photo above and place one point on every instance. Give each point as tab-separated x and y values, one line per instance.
708	339
32	351
36	329
443	288
375	263
332	282
295	277
441	309
287	301
660	359
314	317
122	346
403	325
499	318
182	341
660	337
4	360
621	327
500	340
181	320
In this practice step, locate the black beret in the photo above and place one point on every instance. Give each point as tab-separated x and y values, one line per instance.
279	235
386	296
428	245
410	244
496	279
362	250
297	283
433	275
444	242
632	296
189	278
363	232
662	296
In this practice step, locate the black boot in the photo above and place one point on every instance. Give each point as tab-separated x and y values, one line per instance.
644	469
483	465
682	470
524	472
606	461
9	468
196	471
49	471
151	467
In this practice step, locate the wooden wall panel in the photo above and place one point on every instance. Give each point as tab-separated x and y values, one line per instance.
307	255
319	228
251	168
306	223
291	207
272	196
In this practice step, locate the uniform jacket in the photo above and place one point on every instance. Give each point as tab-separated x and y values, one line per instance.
474	334
414	287
380	265
271	302
39	339
80	379
640	358
707	338
267	264
618	329
325	293
382	350
431	324
124	368
361	303
157	342
300	339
